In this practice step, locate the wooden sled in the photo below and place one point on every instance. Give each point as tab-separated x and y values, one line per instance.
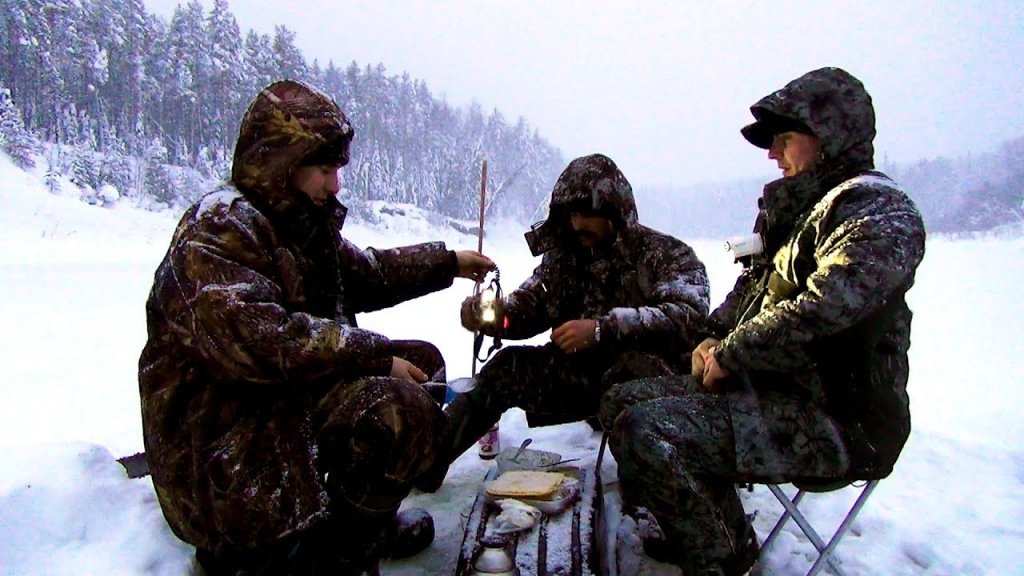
566	544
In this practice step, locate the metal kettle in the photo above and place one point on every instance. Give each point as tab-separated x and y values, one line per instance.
495	558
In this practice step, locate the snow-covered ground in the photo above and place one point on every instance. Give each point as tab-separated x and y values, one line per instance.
74	279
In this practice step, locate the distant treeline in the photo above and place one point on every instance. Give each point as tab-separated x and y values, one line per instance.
973	193
126	100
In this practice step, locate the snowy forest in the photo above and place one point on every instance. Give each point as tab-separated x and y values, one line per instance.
124	103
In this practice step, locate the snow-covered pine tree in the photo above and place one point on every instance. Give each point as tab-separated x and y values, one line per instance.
189	64
225	102
122	94
287	58
52	178
114	167
157	183
258	67
15	139
84	170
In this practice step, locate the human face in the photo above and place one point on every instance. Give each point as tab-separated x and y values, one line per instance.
319	183
795	152
590	228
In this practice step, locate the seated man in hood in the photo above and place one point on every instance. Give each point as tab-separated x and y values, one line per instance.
803	375
281	436
621	301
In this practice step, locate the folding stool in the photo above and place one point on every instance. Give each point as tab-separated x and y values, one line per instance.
824	550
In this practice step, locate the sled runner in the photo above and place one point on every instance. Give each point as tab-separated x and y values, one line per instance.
564	541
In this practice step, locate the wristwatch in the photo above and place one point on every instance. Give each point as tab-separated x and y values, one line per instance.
597	331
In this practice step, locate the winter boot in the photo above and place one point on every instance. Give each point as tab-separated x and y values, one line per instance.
662	550
414	532
468	419
667	552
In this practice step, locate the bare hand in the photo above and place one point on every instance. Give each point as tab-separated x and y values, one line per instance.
405	370
574	335
697	358
472	264
714	374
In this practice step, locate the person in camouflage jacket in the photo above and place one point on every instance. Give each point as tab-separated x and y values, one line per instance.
622	301
281	436
802	376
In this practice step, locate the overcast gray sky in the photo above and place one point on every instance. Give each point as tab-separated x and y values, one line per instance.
664	86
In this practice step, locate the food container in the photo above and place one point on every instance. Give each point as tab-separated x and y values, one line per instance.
527	460
563	498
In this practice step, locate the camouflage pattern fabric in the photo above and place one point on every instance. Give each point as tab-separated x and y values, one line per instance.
815	334
837	109
647	290
361	427
820	320
553	387
674	446
254	377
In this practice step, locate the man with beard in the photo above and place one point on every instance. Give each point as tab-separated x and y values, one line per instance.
621	301
803	374
281	436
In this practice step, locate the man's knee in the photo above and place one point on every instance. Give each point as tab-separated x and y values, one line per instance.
423	355
507	359
633	364
385	424
622	396
612	403
628	433
411	416
508	374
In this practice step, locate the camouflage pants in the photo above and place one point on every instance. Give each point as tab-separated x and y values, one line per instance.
373	436
553	387
674	446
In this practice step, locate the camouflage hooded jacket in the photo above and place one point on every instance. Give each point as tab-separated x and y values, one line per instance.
818	323
251	320
648	290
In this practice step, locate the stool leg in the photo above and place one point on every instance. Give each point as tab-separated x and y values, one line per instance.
811	534
767	544
825	555
780	495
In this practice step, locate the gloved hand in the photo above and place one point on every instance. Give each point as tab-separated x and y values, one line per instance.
697	358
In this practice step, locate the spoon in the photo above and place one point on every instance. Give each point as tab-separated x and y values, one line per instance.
522	447
560	462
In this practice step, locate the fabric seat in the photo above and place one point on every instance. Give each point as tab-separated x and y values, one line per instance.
825	550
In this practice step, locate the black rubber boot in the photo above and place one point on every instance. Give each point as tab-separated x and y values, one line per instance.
414	532
669	553
666	553
661	550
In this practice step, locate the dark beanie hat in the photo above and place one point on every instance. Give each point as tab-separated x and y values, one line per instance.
768	124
